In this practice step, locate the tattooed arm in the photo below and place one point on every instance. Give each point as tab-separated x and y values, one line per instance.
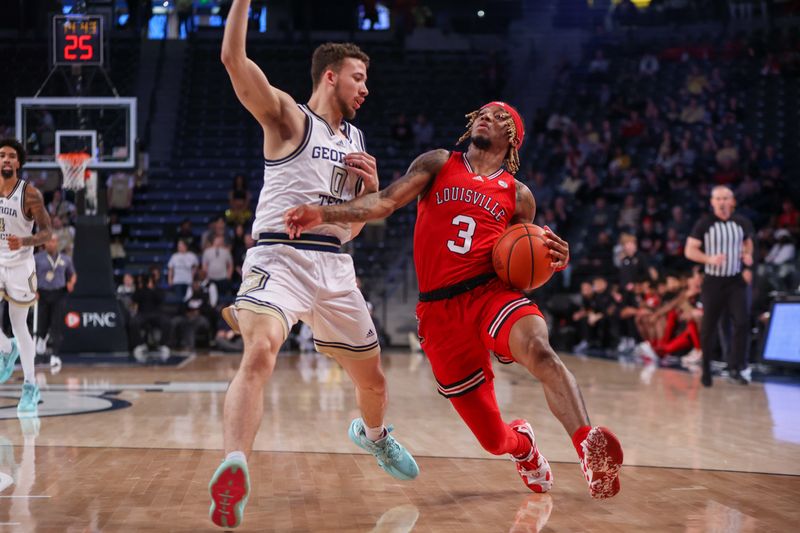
34	208
526	206
371	206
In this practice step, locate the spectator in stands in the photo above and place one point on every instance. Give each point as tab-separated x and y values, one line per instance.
651	241
239	189
771	160
633	265
648	65
600	215
423	133
194	314
239	212
678	221
716	84
227	340
696	81
598	259
599	66
186	234
218	264
628	219
728	155
581	315
149	327
216	228
789	217
182	267
61	207
119	191
596	328
779	264
633	127
771	66
693	112
65	234
401	131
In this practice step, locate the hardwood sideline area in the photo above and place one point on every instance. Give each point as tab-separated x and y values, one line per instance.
132	449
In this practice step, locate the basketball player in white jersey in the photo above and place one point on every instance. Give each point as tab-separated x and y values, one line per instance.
311	155
21	205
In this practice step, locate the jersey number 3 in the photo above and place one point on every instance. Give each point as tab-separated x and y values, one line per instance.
467	230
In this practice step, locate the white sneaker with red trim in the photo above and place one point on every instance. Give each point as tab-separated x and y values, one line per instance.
533	469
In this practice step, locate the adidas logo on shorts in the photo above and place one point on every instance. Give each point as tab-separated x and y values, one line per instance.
370	333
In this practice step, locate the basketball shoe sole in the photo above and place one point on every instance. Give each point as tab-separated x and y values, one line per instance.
229	489
601	462
534	470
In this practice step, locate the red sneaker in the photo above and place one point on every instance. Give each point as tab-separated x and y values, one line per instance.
601	460
534	469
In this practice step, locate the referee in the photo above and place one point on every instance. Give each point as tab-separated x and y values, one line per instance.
722	241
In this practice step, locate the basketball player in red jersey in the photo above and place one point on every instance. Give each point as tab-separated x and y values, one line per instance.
466	201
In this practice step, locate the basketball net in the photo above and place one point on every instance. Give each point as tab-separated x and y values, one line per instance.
73	167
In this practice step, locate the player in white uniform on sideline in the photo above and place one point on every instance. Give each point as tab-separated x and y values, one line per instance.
21	205
311	155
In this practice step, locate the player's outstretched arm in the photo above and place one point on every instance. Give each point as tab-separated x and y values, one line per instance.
269	105
371	206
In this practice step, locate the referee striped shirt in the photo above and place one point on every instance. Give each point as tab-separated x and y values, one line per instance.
723	237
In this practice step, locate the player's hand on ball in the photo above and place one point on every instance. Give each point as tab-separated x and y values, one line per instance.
300	218
14	242
365	167
559	249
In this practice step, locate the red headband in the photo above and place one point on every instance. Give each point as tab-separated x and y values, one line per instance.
518	124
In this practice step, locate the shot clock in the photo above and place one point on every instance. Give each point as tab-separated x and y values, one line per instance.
77	40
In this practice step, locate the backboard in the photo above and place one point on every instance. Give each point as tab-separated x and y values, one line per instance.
105	127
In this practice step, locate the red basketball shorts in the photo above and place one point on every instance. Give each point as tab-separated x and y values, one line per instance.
458	334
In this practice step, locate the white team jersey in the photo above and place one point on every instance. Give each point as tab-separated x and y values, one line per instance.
315	173
14	222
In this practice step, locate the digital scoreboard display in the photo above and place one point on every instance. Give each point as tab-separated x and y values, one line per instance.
77	40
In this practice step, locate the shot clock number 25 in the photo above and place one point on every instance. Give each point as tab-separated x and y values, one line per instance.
77	40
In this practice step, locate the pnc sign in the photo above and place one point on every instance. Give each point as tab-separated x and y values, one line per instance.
91	319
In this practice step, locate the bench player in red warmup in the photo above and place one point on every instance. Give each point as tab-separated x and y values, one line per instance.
466	201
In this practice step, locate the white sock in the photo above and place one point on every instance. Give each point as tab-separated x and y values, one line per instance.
27	351
374	434
236	455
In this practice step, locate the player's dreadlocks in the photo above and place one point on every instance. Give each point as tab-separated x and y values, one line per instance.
512	156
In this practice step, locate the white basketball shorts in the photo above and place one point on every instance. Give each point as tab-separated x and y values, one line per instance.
317	287
18	282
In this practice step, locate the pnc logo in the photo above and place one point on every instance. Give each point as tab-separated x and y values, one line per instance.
72	320
75	320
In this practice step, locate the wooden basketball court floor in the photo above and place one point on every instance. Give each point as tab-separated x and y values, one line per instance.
132	449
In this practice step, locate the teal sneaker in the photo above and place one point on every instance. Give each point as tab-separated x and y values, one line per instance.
29	402
9	360
229	489
391	455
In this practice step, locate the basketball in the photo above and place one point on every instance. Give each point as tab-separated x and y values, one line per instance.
521	258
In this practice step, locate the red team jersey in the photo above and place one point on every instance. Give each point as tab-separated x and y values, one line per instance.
463	214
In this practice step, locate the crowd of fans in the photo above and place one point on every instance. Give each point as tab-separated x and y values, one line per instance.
624	164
